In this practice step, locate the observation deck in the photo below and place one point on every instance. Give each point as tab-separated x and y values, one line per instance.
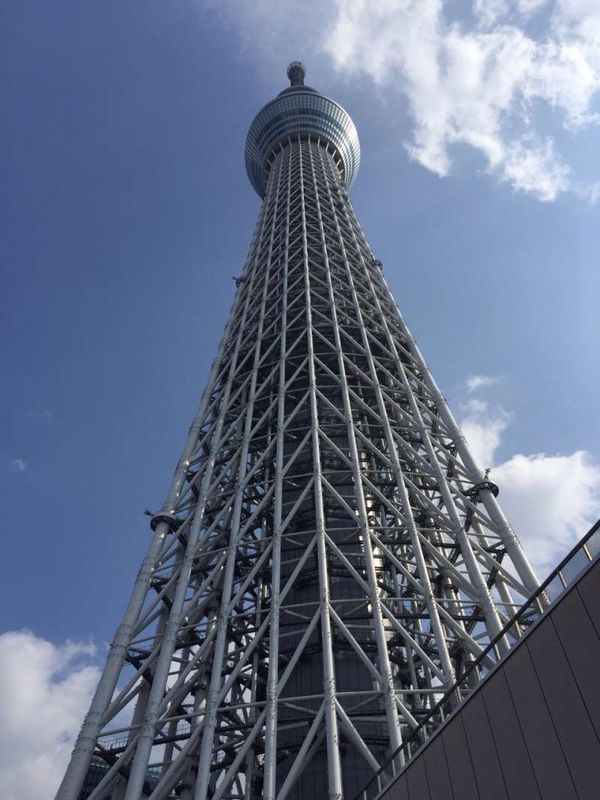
300	110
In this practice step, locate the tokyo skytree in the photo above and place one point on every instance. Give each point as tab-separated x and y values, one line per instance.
330	558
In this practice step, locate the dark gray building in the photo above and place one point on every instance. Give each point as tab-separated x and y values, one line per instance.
531	729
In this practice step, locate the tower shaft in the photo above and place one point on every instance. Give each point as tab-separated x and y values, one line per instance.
329	558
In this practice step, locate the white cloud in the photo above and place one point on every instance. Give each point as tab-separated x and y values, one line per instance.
551	500
478	81
483	429
476	87
45	690
18	465
477	382
536	169
491	12
528	7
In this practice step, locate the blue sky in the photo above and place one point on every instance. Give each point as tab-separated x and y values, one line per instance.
126	212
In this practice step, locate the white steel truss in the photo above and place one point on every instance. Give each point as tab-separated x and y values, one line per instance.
329	558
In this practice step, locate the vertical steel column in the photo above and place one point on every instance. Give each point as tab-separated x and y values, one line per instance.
487	604
334	769
387	678
270	764
84	746
396	468
146	735
512	544
223	617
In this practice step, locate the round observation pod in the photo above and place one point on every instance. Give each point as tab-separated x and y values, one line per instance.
300	111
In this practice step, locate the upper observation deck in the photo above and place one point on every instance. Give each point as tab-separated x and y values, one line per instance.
300	110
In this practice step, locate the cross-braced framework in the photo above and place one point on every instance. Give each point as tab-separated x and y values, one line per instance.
329	558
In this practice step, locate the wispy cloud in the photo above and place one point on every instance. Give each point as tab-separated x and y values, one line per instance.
590	192
478	81
477	382
45	690
18	465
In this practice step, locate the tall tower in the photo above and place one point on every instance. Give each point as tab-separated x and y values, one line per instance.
329	558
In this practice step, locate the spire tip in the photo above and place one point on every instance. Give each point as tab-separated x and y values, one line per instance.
296	72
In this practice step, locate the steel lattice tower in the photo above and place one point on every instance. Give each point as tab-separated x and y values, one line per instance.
329	558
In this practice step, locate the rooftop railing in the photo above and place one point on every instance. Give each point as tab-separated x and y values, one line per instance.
584	552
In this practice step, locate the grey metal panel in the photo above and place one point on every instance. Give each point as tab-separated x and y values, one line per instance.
589	589
418	788
569	714
582	646
438	777
511	747
462	776
483	750
531	730
398	791
547	758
